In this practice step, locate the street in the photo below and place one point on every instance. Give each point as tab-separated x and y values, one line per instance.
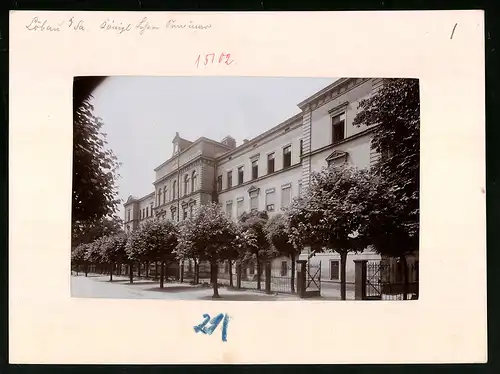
100	287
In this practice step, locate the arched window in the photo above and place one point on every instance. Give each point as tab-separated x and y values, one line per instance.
193	181
164	194
186	184
174	188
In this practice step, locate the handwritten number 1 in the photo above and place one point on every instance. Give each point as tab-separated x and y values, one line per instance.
224	328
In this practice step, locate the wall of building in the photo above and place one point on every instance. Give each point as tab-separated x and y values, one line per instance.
324	260
290	176
321	123
357	147
273	142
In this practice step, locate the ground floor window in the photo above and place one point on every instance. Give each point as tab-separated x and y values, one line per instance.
334	269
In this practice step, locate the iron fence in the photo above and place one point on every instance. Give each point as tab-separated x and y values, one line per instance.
387	281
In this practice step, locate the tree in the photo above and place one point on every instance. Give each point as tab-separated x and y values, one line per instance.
394	217
112	250
255	240
209	236
277	234
332	213
93	252
155	241
94	170
78	257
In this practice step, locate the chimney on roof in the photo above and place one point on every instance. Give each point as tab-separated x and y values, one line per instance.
229	141
245	140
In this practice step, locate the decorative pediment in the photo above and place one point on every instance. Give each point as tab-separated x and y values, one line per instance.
339	108
184	204
172	208
191	201
336	155
253	189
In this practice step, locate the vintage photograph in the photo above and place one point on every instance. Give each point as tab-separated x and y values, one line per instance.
245	188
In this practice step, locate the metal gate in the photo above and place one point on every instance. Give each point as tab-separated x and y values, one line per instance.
313	279
281	278
385	281
374	280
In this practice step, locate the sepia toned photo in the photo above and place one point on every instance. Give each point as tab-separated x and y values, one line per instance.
245	188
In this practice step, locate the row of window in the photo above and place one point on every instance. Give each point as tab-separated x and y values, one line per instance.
189	184
338	134
190	181
287	162
270	200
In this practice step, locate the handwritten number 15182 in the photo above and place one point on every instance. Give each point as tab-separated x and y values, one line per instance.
213	323
213	58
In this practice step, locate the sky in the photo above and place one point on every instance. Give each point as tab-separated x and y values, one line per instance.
142	114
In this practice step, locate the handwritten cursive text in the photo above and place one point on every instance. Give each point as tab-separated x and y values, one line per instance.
119	27
37	25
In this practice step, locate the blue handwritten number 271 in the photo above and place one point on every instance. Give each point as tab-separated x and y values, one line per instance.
213	323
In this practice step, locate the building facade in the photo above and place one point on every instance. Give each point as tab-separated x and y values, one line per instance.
268	171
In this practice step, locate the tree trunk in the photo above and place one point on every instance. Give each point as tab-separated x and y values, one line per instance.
111	272
131	272
146	265
196	272
182	271
404	270
138	270
156	271
85	268
258	272
162	273
292	278
230	273
343	263
213	273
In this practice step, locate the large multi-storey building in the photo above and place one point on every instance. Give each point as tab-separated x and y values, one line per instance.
268	171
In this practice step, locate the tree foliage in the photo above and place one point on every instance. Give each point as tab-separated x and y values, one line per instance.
209	236
256	244
85	232
94	170
155	240
276	230
394	219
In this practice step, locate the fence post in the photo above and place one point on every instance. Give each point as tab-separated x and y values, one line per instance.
268	276
360	279
301	278
238	276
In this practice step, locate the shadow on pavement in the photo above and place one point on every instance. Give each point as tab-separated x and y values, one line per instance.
174	289
246	297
